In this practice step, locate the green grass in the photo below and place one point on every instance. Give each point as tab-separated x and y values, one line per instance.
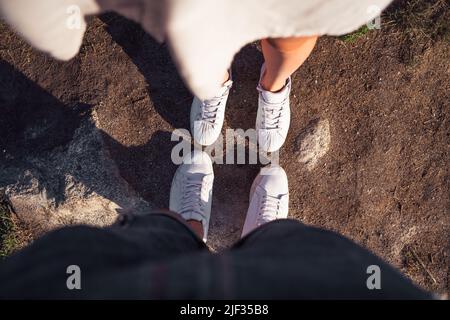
8	232
352	37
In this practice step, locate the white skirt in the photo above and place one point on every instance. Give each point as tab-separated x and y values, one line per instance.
204	35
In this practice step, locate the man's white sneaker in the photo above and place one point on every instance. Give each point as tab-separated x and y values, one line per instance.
207	116
273	117
191	191
269	198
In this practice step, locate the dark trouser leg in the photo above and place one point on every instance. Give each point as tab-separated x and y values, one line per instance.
111	260
159	257
285	259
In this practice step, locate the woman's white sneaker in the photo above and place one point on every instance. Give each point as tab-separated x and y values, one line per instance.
273	117
191	190
207	116
269	198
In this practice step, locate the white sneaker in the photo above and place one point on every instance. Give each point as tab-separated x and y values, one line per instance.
207	116
191	191
273	117
269	198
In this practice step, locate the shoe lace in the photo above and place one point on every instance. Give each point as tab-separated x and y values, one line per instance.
269	209
272	113
210	107
192	197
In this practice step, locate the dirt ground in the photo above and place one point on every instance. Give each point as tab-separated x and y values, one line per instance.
383	182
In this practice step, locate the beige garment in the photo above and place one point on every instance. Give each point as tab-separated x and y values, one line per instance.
204	35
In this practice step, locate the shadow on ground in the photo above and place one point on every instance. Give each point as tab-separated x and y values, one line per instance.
384	96
50	145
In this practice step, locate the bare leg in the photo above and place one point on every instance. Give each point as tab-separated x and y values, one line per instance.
226	77
283	56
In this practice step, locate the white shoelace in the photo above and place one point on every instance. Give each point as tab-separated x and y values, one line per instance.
210	107
272	111
192	197
269	209
272	114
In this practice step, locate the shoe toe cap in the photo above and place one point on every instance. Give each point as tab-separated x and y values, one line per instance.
271	140
205	133
274	180
198	162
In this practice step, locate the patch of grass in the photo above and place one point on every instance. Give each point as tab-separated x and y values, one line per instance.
12	235
8	242
352	37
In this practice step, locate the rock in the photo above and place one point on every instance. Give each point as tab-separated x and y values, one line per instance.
74	184
313	143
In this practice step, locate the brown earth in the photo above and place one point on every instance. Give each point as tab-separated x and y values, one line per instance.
383	182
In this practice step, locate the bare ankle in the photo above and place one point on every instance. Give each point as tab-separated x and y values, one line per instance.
197	227
273	85
226	77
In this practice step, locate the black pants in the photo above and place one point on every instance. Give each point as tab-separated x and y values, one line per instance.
158	257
